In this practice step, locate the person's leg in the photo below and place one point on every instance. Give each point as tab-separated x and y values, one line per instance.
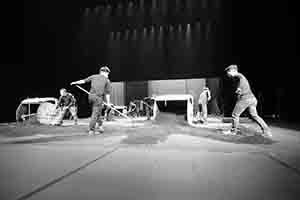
60	116
100	119
73	111
239	108
199	111
103	111
138	110
94	117
147	112
100	115
253	113
204	112
109	114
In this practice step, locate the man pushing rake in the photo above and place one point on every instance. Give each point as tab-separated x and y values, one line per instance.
245	100
100	88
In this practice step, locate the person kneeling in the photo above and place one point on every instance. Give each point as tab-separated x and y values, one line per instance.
66	102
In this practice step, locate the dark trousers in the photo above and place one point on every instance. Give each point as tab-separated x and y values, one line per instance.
62	113
203	111
97	106
241	106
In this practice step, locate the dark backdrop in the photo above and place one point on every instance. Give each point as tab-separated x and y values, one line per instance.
48	44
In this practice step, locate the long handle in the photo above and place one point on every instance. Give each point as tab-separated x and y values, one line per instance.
147	105
104	103
83	89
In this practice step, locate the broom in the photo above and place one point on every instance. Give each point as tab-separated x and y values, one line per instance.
111	107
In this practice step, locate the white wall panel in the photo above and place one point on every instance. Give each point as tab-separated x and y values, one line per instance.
161	87
117	95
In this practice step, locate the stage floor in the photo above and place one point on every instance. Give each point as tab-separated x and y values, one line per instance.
162	159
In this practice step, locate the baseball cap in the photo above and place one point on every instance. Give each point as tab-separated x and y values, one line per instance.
105	69
231	67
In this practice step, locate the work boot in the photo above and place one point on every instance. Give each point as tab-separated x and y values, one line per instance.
231	132
203	120
267	133
57	124
91	132
99	130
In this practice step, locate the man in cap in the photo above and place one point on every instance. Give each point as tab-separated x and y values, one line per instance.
245	99
204	98
100	88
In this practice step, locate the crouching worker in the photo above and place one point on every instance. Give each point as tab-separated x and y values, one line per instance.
66	102
100	88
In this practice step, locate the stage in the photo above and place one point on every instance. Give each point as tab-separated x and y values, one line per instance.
145	159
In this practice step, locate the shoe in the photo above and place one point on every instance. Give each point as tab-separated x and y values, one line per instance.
100	129
91	132
267	134
75	123
229	132
97	132
201	121
204	121
57	124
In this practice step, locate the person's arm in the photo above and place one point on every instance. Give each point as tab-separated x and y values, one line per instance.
59	102
72	101
107	96
238	90
82	81
78	82
208	95
108	91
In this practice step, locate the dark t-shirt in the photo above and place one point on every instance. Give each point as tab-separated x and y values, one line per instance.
204	97
244	85
100	85
67	100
